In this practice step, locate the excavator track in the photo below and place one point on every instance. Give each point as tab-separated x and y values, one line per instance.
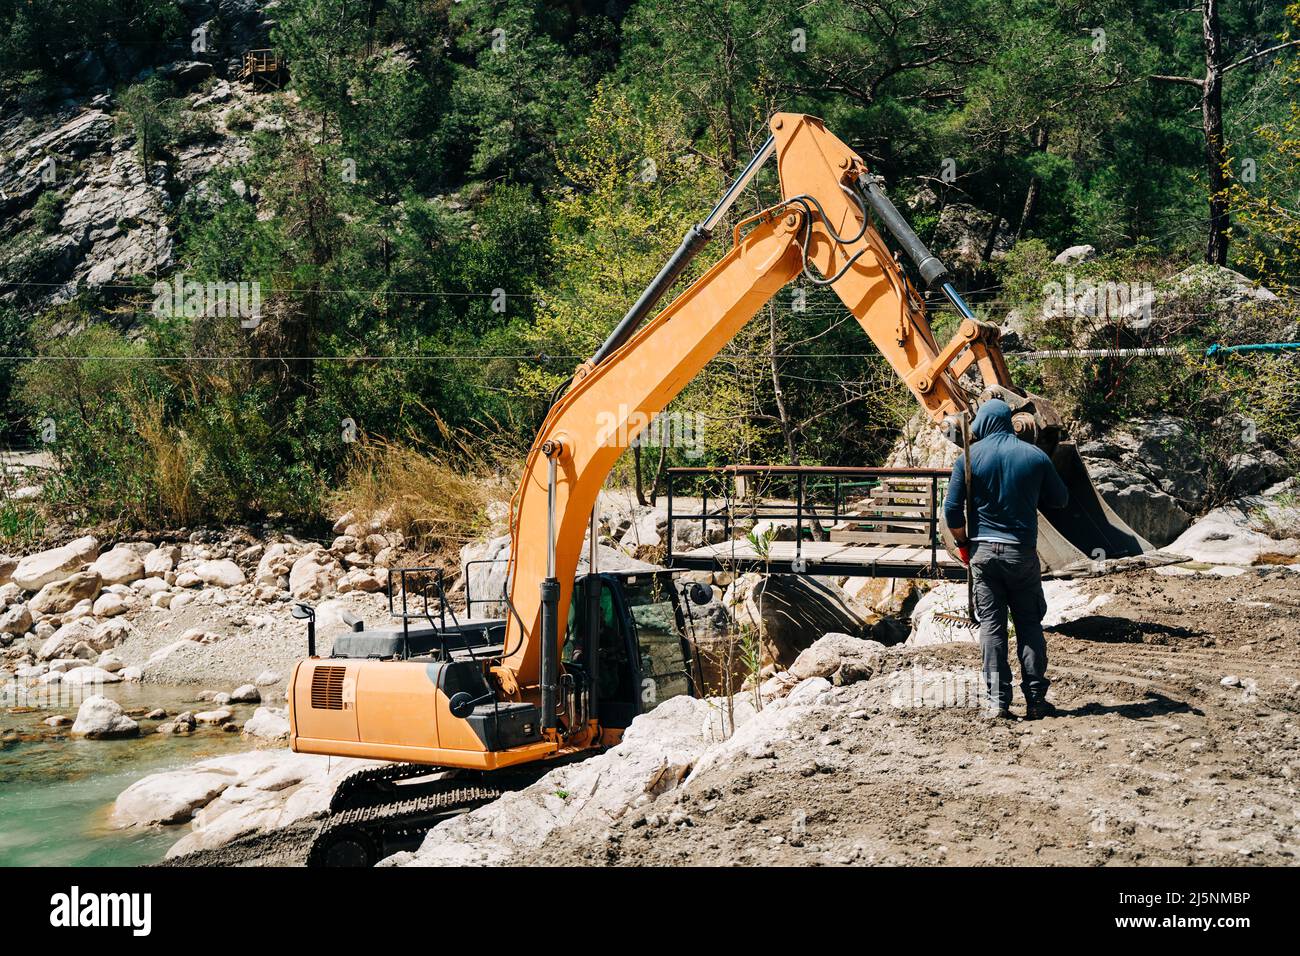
366	788
364	835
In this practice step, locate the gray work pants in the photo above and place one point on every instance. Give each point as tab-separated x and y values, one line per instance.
1006	577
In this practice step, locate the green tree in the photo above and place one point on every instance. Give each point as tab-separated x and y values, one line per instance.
150	113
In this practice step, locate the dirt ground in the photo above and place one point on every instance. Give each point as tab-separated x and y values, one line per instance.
1153	760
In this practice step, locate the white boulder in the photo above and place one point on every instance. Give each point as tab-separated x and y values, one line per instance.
99	718
1075	254
109	634
313	575
268	723
245	694
268	789
362	580
110	605
59	597
221	574
170	797
37	570
840	658
17	620
1238	532
80	676
274	565
61	642
162	560
119	566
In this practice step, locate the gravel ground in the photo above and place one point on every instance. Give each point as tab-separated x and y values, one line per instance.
254	637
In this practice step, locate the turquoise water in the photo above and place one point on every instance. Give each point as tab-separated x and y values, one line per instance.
56	791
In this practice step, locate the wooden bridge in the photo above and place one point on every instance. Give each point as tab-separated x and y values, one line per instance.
855	522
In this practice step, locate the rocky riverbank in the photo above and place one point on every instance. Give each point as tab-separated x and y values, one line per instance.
1178	690
1177	744
213	609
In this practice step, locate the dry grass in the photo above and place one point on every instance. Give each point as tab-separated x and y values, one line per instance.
438	501
173	463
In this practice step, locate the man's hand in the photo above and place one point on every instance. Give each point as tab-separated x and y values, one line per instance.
963	543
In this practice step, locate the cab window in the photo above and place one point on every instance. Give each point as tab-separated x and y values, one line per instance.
664	671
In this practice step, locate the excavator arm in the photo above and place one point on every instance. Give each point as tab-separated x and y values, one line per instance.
821	229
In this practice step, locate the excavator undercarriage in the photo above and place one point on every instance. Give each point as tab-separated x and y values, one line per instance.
485	704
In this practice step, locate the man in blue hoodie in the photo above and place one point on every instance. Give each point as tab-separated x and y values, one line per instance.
1010	480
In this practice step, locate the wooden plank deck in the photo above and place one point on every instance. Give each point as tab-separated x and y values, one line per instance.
820	552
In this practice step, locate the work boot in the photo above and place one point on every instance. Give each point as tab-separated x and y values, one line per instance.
994	715
1038	709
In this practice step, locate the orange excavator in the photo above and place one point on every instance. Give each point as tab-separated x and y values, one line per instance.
468	709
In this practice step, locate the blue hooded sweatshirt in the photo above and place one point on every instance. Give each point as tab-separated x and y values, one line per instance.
1012	478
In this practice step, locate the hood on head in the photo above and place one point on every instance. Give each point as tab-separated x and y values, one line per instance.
993	417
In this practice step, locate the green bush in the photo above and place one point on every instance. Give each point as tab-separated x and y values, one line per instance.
48	211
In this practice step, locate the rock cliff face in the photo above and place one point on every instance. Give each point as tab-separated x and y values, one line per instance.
80	208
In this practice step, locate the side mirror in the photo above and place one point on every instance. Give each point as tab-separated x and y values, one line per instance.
700	593
305	612
461	705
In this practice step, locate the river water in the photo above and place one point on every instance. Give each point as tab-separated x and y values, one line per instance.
56	790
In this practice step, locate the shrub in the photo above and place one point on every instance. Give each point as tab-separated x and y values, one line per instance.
436	502
48	211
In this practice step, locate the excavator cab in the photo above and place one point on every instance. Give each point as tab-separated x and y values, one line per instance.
637	626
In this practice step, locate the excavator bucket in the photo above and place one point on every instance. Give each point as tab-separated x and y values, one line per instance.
1086	529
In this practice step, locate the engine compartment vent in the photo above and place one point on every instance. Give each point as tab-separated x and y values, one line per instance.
327	688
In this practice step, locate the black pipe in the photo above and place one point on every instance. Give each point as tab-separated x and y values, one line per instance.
550	590
593	646
932	270
311	636
696	238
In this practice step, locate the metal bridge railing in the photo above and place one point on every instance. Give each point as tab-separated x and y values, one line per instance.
813	498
